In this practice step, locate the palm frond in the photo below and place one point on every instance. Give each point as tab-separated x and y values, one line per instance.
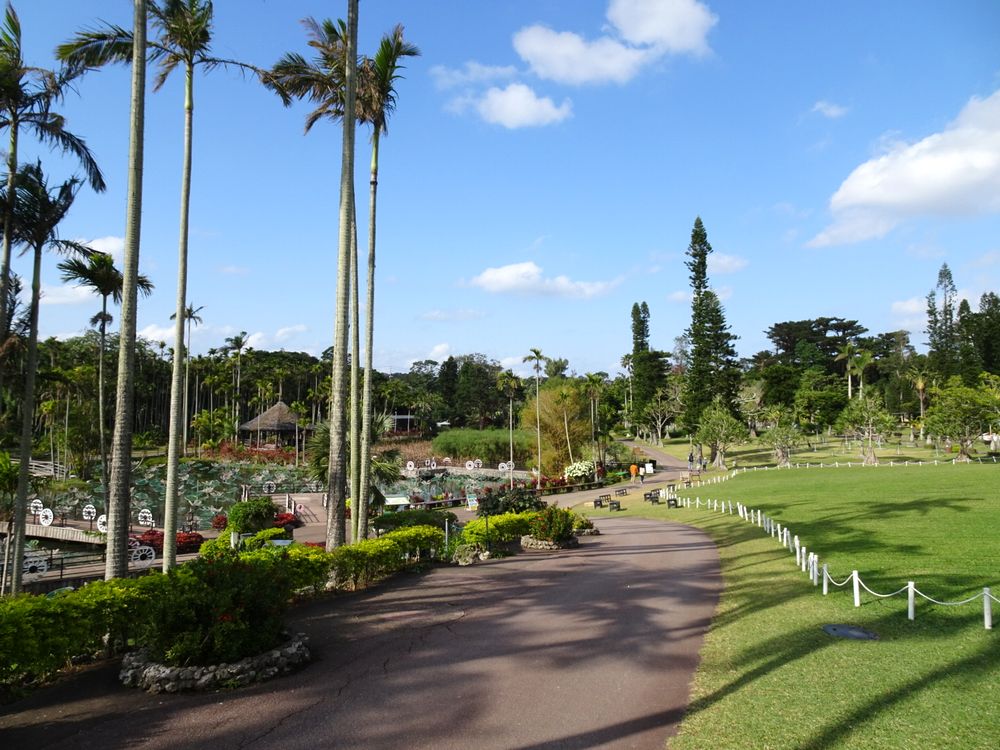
49	128
95	48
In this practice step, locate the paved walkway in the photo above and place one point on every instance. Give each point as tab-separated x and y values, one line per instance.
589	648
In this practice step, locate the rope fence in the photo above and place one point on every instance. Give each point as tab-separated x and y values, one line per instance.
809	562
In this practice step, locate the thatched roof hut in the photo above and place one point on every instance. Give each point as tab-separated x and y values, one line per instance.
279	418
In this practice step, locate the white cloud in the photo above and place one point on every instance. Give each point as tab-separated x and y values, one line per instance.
113	246
234	270
722	263
952	173
439	352
154	332
518	106
527	278
911	306
283	334
681	295
910	314
829	109
675	26
643	31
64	295
257	340
566	57
442	315
470	73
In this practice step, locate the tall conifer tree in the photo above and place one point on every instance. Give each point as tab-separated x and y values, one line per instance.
712	369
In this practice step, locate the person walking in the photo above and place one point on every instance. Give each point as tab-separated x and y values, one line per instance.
633	470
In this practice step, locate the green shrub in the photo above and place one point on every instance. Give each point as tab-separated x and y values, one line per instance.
419	517
307	567
491	446
507	500
553	525
414	539
263	539
215	610
580	521
504	528
361	563
252	516
39	634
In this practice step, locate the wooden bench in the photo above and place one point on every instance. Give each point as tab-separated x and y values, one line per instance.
672	502
614	505
601	500
652	497
621	492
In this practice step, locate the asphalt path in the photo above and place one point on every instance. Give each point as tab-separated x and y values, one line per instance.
586	648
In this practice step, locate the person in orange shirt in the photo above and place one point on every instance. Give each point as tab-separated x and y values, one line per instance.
633	470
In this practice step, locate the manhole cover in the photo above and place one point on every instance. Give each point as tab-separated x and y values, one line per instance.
850	631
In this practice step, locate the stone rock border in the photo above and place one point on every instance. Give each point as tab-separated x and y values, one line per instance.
529	542
138	671
587	532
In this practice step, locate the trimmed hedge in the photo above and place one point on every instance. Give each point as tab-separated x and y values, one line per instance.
221	607
507	527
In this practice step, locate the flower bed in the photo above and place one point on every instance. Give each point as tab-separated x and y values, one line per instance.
138	670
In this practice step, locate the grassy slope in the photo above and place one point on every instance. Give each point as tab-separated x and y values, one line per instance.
771	678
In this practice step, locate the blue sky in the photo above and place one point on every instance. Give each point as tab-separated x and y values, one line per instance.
545	165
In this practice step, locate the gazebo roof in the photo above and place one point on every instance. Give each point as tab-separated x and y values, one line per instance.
279	418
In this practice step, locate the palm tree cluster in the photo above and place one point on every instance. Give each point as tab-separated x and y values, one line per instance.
346	88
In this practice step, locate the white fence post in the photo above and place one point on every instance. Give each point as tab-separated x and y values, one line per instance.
910	600
987	609
857	588
796	543
804	558
826	584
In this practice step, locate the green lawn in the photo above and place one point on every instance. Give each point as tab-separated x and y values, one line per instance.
770	677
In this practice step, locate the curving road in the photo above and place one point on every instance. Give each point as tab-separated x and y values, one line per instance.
589	648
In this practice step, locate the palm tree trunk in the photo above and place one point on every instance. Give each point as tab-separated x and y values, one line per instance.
187	381
569	446
336	479
121	442
27	422
366	399
538	429
510	434
177	399
102	412
355	400
8	230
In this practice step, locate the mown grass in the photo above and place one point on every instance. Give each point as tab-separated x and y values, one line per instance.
770	677
823	449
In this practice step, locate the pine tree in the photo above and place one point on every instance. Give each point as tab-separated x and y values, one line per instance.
712	368
942	333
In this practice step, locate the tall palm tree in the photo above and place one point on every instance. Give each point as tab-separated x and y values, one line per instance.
184	36
237	344
509	385
376	101
848	353
594	383
863	359
26	97
919	377
38	212
116	562
332	85
98	273
538	358
191	317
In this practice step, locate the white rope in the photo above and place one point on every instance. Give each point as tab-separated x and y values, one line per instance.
881	596
994	598
949	604
846	581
